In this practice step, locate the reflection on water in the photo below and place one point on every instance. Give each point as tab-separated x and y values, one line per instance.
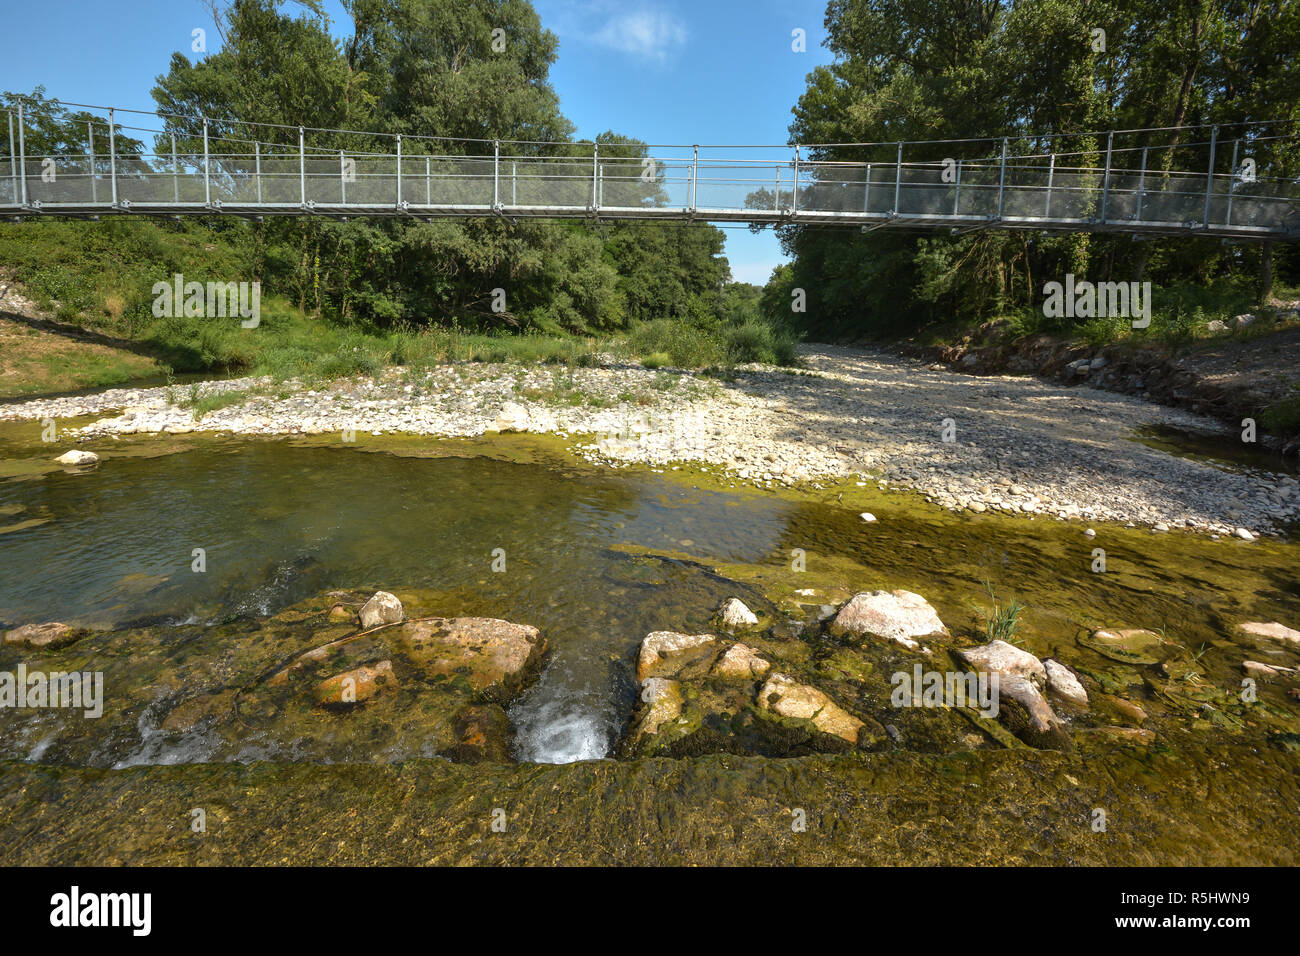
1223	450
276	523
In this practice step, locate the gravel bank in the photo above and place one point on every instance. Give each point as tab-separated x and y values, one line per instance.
1019	445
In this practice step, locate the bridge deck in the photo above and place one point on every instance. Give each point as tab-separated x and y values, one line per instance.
1039	192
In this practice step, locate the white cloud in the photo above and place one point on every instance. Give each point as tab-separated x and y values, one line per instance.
649	32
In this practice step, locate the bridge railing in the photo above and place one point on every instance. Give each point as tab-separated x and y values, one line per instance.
195	172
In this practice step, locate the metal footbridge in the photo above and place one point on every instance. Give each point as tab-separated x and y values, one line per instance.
1190	181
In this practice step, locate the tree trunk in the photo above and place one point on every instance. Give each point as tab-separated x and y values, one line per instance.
1265	272
1140	260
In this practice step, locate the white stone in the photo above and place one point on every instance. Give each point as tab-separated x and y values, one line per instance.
899	616
734	614
1003	658
77	457
382	608
1062	682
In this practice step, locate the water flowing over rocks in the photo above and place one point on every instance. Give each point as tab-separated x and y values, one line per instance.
483	735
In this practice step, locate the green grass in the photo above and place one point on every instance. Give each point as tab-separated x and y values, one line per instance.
101	276
1180	316
1284	416
1003	621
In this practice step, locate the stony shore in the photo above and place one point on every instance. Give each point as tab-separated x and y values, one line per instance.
997	443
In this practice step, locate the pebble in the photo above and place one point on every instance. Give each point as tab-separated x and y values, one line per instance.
850	414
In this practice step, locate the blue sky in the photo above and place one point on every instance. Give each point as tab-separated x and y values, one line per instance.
665	71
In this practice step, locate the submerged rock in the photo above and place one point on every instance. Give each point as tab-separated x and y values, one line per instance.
341	612
43	636
357	685
1259	671
188	714
483	735
1127	708
1128	645
786	698
740	662
898	616
670	654
383	608
491	655
1063	682
734	615
1273	629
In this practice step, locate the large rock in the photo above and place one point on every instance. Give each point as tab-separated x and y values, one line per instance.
898	616
670	654
1005	659
1273	629
783	696
1258	670
734	616
79	459
740	662
383	608
482	735
1062	682
1024	710
513	417
357	685
662	700
43	636
493	656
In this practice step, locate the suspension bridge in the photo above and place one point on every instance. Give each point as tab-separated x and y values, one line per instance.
1172	181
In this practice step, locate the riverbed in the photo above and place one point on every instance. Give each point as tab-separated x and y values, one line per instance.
528	528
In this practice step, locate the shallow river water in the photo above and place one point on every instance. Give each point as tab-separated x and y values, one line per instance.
514	528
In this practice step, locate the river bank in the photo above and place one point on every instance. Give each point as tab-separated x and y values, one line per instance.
995	443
